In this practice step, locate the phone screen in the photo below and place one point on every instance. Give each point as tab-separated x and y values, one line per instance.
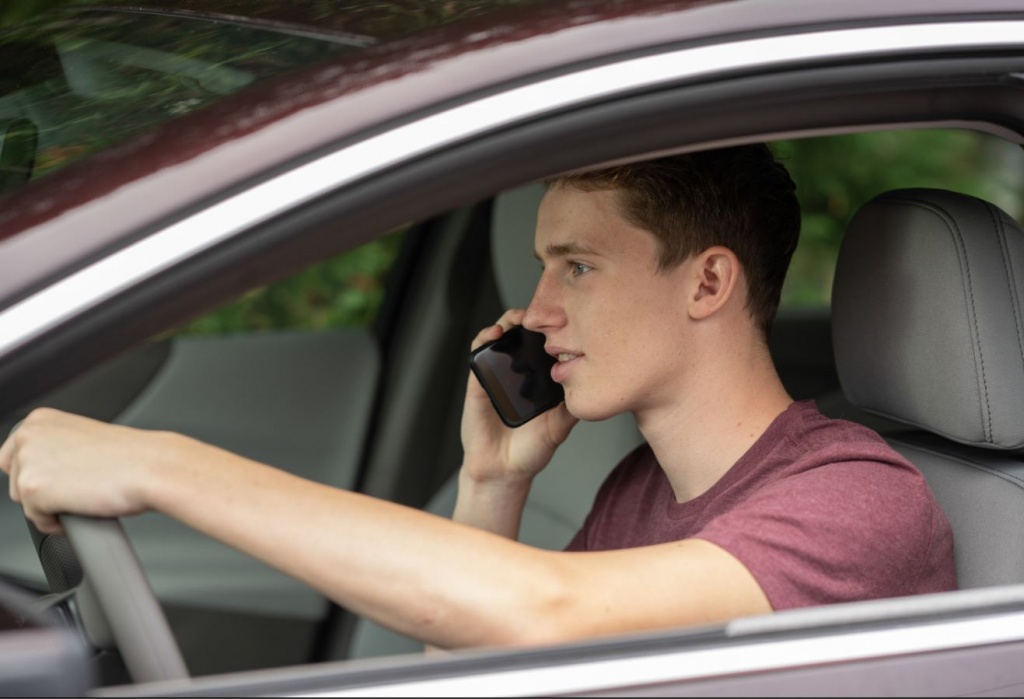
516	373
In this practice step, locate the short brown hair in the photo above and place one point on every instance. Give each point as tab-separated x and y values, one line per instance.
739	197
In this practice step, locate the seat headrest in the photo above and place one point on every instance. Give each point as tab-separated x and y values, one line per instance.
928	315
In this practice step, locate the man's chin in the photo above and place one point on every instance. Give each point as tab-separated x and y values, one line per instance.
589	410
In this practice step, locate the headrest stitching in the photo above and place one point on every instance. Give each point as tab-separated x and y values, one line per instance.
965	269
1011	279
987	414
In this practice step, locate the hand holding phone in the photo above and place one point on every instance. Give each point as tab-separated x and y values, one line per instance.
515	371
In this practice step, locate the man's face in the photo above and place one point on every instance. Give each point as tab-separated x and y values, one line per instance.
617	324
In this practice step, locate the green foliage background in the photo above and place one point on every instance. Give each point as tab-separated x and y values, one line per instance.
344	291
836	175
14	11
381	19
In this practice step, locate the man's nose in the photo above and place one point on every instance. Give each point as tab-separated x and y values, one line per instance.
545	309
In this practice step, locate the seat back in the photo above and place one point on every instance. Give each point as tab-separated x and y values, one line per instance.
928	329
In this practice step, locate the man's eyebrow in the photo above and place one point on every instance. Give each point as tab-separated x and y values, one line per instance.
564	250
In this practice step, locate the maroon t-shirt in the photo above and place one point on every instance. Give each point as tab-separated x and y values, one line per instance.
818	510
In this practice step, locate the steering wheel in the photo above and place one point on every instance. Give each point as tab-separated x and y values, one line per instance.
114	596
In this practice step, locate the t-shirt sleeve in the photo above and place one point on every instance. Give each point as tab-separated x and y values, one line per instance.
844	531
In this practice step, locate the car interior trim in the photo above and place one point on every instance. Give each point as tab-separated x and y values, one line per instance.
49	307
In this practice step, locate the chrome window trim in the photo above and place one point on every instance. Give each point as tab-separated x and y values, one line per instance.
42	311
707	663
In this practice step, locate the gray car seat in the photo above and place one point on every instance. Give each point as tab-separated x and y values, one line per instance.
561	496
928	330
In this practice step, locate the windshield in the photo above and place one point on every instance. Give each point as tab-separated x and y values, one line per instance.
74	82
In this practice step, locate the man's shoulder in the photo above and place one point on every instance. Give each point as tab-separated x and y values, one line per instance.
834	455
811	430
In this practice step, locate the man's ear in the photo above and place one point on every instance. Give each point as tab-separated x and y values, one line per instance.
715	275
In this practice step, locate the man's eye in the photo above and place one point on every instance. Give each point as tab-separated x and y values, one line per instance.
578	268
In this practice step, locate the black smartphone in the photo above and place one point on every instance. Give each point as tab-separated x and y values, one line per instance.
516	373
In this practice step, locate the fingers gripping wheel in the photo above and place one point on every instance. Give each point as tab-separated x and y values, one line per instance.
97	561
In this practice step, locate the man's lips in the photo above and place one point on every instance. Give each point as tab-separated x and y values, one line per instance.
561	353
566	360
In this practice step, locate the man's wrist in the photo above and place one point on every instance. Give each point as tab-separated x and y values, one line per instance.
168	459
492	485
494	505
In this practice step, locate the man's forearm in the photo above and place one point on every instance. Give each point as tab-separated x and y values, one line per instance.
377	558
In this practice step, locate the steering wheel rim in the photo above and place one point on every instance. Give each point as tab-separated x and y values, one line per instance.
125	598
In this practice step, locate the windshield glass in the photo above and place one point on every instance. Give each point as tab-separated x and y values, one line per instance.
75	82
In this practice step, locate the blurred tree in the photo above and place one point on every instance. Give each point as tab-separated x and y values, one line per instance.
343	291
394	18
19	10
836	175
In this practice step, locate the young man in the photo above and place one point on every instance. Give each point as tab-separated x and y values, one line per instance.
660	281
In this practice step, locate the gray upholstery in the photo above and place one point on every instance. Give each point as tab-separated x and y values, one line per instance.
927	316
928	330
277	398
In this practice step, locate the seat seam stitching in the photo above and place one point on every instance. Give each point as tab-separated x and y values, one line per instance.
1004	250
965	269
974	319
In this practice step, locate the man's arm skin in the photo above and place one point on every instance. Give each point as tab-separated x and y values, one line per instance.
446	583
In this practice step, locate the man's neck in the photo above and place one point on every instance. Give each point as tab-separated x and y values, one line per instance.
698	438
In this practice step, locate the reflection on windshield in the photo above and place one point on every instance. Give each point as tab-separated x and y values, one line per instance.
74	83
